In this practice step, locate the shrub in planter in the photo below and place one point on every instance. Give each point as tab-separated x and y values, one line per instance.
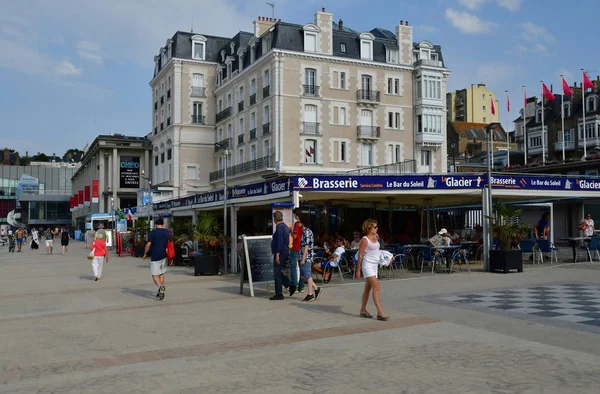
509	230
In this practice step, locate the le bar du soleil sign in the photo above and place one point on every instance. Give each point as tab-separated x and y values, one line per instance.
233	193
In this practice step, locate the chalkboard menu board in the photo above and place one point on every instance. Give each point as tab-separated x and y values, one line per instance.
259	262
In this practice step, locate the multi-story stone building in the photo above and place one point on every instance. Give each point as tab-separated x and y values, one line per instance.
288	98
473	105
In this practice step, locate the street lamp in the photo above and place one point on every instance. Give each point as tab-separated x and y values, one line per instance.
453	146
112	213
487	233
149	201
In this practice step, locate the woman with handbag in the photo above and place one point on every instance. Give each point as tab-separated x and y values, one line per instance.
98	255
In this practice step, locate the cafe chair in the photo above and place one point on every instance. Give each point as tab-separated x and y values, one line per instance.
427	257
329	268
461	256
397	261
185	254
544	246
594	246
527	246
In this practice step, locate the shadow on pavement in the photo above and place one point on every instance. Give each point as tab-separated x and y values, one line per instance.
86	277
330	309
140	292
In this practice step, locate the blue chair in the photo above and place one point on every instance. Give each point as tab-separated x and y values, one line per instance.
594	246
397	261
427	257
544	246
461	256
328	267
527	246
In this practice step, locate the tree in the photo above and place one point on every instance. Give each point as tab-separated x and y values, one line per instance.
24	161
73	154
40	157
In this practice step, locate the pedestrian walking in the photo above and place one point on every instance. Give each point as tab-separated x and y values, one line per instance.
100	253
369	255
49	235
307	249
35	239
102	232
20	235
297	283
157	246
280	248
64	240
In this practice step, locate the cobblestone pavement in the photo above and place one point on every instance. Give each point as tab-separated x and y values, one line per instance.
65	333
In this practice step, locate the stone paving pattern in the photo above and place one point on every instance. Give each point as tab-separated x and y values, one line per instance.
65	333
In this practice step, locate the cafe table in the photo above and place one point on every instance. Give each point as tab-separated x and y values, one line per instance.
574	242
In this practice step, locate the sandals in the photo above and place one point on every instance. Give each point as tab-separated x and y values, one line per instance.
383	318
366	315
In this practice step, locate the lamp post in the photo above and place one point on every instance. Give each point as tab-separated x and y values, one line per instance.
149	201
112	214
226	153
453	146
487	233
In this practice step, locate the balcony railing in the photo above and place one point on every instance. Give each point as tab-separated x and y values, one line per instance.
403	167
310	90
198	119
264	163
267	128
162	99
266	91
368	95
198	91
169	93
162	126
252	134
241	106
427	62
227	143
569	145
253	99
226	113
241	139
311	128
369	132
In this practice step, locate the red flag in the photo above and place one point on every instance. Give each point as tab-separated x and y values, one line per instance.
493	108
587	84
507	103
566	89
547	93
308	153
312	151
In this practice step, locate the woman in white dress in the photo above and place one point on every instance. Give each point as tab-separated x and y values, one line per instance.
368	263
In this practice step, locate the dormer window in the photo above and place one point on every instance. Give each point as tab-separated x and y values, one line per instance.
591	104
163	57
198	47
567	109
343	48
252	53
538	116
366	46
223	56
169	49
391	55
266	45
240	54
311	37
232	48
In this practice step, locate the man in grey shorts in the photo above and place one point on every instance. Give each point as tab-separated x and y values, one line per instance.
157	246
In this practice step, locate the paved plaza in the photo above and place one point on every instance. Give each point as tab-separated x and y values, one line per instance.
534	332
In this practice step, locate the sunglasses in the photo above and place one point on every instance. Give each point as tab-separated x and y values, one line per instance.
375	227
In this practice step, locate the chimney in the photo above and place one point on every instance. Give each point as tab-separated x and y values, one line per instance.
404	37
401	23
6	158
341	25
324	21
262	24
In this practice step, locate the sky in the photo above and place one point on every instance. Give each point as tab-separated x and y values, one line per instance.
73	69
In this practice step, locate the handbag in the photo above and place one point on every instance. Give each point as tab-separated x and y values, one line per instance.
170	250
91	255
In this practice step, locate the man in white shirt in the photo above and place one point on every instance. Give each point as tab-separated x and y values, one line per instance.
334	261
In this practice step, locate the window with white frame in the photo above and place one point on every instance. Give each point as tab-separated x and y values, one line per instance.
241	156
432	87
426	158
483	108
538	116
241	128
342	116
419	88
253	152
393	120
266	79
252	53
569	135
339	150
253	121
241	94
191	172
169	110
342	80
393	86
310	151
220	163
366	155
392	55
229	102
567	109
198	47
590	130
393	153
366	46
169	50
229	130
429	124
343	48
266	44
310	41
198	80
266	148
253	87
266	114
591	104
220	106
535	142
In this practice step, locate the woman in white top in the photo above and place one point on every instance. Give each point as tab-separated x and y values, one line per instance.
588	226
368	261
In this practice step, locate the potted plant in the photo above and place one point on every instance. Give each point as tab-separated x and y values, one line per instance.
141	229
206	231
508	231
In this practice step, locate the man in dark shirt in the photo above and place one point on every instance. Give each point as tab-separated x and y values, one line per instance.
157	246
280	247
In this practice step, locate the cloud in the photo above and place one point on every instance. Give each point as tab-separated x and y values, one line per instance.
17	56
512	5
468	23
495	72
427	29
89	51
67	68
536	33
472	4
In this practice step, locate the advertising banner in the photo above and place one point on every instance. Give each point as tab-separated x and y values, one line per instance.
129	172
87	196
80	199
95	191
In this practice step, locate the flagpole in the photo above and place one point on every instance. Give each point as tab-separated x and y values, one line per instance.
507	131
583	102
543	142
562	112
525	121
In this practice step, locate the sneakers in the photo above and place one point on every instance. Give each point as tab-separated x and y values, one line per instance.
300	289
161	293
292	290
317	292
309	298
277	297
96	279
